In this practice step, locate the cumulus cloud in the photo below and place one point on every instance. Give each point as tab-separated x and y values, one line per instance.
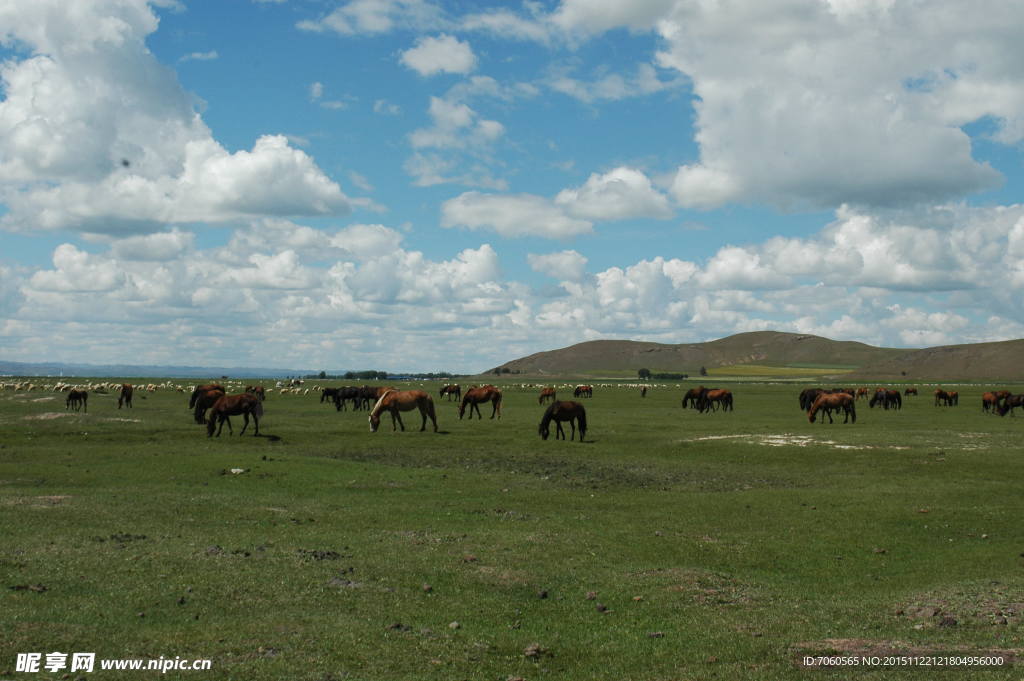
441	54
511	216
619	194
97	136
458	137
565	265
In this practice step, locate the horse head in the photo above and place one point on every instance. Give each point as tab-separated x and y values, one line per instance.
374	422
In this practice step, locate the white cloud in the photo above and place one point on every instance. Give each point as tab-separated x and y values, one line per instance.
611	86
200	56
74	156
619	194
511	216
441	54
564	265
370	17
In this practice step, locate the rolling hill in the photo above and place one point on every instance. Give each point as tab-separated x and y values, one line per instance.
1002	360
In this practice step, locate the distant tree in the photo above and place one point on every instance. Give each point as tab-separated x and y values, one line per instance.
323	374
506	370
644	374
703	371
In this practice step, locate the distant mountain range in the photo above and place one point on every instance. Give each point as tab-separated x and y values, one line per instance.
145	371
1002	360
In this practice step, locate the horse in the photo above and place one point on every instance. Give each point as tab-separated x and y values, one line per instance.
830	402
329	394
395	401
257	390
863	392
200	389
583	391
807	397
341	395
476	396
451	391
710	400
692	395
989	402
559	412
125	398
1010	403
889	399
204	401
546	394
246	404
77	400
643	391
910	391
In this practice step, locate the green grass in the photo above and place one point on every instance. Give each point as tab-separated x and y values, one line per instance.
764	371
719	546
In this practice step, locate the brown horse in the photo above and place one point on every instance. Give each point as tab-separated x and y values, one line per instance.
451	391
949	399
559	412
545	395
395	401
77	400
258	391
474	397
245	404
692	395
203	401
710	400
910	391
829	402
862	392
583	391
200	389
125	398
1010	403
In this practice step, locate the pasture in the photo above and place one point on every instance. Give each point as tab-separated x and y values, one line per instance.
669	545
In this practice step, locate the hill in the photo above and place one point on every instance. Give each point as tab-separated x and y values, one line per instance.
1002	360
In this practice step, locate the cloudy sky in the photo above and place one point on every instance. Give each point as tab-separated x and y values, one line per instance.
418	185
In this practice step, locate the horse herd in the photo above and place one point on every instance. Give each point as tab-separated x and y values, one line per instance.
213	408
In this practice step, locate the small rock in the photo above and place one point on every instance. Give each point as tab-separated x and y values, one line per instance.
711	660
601	607
534	650
427	588
984	536
469	559
637	598
880	551
656	634
454	625
591	595
542	593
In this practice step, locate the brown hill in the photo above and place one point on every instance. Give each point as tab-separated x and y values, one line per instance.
999	361
771	348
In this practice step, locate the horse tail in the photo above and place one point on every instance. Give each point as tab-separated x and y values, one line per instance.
853	412
582	421
498	405
258	409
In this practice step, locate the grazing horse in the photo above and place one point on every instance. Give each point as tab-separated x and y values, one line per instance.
329	394
692	395
474	397
125	398
807	397
862	392
888	399
200	389
1010	403
545	395
583	391
246	404
829	402
395	401
910	391
710	400
451	391
204	401
989	402
342	395
949	399
77	400
573	412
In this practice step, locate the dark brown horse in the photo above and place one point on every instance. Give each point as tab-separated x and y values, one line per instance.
245	404
887	399
710	400
203	401
77	400
692	395
395	401
545	395
125	398
474	397
949	399
200	389
257	390
1010	403
451	391
910	391
829	402
559	412
583	391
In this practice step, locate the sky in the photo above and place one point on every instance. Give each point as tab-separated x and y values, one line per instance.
417	185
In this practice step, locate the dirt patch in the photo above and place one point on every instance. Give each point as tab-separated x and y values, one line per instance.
39	502
970	605
120	420
702	586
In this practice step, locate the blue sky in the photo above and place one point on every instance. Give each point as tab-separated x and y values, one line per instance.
416	185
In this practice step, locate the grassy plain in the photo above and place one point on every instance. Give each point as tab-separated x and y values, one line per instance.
670	545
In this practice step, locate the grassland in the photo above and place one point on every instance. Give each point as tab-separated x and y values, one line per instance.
670	545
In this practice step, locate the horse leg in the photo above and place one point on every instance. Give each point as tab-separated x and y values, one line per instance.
395	415
256	421
245	415
475	407
572	424
559	433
